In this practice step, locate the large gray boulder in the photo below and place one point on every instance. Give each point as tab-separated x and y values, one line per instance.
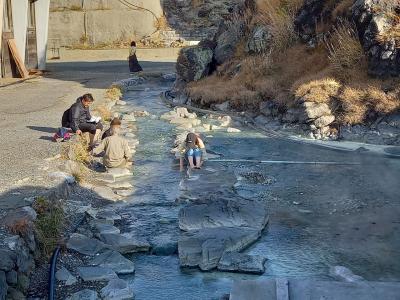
7	259
194	63
383	56
204	248
259	41
3	286
224	213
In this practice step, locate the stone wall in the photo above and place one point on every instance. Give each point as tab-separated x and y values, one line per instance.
101	21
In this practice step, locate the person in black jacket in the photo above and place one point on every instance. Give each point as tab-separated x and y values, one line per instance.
79	119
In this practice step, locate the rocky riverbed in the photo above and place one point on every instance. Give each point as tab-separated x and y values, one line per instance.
157	233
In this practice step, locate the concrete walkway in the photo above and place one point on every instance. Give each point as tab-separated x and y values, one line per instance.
282	289
30	112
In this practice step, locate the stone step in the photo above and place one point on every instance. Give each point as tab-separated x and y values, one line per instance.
297	289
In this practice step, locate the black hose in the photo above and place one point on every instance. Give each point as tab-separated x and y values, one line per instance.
53	265
52	273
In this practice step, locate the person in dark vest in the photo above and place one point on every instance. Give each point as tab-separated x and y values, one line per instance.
134	66
79	119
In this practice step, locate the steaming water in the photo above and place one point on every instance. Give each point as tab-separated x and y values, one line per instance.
311	224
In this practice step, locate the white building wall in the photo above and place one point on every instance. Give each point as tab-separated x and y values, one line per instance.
20	22
42	29
1	27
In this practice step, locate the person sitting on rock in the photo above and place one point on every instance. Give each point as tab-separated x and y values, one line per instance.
194	146
134	66
79	119
116	149
116	122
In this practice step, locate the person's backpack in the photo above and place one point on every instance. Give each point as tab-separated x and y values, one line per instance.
61	135
65	121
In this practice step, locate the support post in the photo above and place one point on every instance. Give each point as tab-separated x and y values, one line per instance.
42	8
1	31
20	24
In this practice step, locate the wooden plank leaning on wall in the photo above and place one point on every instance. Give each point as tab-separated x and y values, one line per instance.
17	58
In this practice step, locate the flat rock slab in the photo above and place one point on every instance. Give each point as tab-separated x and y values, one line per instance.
113	260
124	243
227	213
64	275
255	290
84	295
108	215
96	273
204	248
125	193
106	193
120	185
85	245
119	172
233	130
242	263
104	228
117	289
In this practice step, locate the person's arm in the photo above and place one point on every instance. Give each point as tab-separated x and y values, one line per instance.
200	143
100	148
75	119
127	151
181	164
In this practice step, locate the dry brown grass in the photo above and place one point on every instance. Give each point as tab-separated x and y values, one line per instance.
104	112
279	15
335	73
319	91
77	150
49	224
161	23
365	105
345	49
113	93
20	227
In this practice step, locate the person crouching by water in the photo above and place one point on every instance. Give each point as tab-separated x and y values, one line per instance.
79	119
134	66
116	149
193	152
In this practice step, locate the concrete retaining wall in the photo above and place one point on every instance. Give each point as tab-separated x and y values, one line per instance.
101	21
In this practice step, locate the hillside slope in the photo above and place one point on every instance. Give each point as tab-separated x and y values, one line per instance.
330	68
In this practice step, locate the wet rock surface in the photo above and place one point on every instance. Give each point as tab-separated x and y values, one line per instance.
113	260
239	262
96	273
85	245
204	248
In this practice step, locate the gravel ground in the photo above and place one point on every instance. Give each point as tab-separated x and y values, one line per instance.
30	111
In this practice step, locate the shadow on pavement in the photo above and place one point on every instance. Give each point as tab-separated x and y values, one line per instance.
100	74
43	129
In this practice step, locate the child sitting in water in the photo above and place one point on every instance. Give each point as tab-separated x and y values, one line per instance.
192	151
